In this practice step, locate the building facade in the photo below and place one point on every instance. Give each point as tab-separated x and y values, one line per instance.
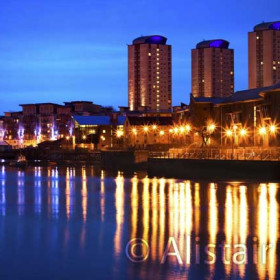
147	131
247	118
41	122
212	69
98	132
149	74
264	54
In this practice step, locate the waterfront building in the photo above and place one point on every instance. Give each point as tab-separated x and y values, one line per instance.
13	131
247	118
98	132
41	122
264	54
2	130
85	108
148	131
212	69
149	74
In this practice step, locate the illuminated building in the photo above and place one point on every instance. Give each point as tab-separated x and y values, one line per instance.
212	69
98	131
147	131
149	74
252	115
264	54
11	125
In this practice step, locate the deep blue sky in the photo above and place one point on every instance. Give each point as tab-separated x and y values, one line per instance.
63	50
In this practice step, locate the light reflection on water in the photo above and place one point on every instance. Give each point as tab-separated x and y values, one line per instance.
77	221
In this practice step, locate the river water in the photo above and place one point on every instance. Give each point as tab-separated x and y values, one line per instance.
86	223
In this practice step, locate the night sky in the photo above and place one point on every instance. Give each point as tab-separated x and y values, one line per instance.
63	50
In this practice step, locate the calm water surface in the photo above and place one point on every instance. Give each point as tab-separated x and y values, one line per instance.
81	223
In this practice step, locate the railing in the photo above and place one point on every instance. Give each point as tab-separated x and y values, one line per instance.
216	154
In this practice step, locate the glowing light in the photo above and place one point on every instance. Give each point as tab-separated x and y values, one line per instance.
228	133
67	137
161	132
182	129
146	128
21	135
170	130
134	130
176	129
84	137
154	127
119	133
272	128
188	128
243	132
262	130
211	127
54	133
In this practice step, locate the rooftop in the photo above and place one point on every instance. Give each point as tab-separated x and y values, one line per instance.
98	120
152	39
243	95
150	120
216	43
275	25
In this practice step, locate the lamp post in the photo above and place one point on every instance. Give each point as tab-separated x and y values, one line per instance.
229	134
262	133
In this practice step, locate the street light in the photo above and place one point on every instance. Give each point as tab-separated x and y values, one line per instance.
262	130
188	128
272	128
161	132
154	127
146	128
211	127
228	133
243	132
